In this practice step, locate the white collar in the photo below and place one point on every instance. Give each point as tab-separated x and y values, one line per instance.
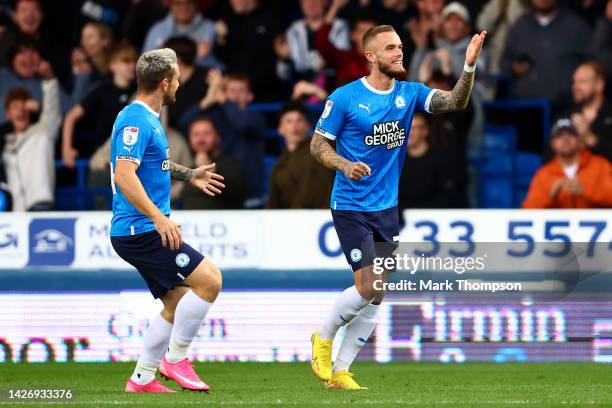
365	83
147	107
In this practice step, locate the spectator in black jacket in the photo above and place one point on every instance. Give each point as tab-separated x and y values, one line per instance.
592	113
543	49
426	180
245	36
193	78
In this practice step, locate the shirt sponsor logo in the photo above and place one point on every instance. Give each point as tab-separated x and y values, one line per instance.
387	133
128	158
130	135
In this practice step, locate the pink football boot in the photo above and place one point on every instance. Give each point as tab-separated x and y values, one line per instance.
153	386
182	372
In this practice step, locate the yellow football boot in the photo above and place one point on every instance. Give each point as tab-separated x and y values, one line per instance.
343	380
321	362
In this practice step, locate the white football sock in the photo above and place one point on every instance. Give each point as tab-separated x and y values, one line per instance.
348	304
188	318
357	333
155	343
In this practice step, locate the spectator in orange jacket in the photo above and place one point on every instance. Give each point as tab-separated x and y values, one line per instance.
575	178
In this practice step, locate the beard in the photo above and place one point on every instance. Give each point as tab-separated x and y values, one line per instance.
392	70
169	98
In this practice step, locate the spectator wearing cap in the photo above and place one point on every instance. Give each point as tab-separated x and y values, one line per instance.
448	56
297	180
592	112
543	49
185	19
451	47
574	178
28	151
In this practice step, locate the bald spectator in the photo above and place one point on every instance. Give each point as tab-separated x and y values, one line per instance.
185	19
575	178
205	142
543	49
592	112
297	180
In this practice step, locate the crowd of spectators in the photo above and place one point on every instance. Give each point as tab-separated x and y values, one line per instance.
65	73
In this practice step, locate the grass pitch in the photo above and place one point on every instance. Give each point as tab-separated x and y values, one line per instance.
396	384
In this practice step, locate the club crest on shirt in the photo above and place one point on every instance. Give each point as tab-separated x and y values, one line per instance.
130	135
400	102
327	110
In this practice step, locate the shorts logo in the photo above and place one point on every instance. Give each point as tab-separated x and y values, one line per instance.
130	135
355	255
400	102
182	260
327	110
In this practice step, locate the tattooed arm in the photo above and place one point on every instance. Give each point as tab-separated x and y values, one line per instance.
178	172
457	99
322	150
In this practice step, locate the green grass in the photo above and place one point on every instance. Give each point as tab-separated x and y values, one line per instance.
397	384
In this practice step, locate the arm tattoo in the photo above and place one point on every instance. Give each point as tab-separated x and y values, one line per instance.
322	150
178	172
457	99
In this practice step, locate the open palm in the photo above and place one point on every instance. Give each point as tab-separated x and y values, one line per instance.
205	179
473	50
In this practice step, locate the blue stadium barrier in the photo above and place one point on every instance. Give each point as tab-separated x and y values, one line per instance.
514	104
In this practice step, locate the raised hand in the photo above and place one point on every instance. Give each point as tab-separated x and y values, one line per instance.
474	49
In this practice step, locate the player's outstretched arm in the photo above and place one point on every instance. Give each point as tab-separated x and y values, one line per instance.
457	99
203	178
126	179
323	151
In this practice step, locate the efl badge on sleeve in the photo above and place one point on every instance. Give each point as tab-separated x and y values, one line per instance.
327	110
130	135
